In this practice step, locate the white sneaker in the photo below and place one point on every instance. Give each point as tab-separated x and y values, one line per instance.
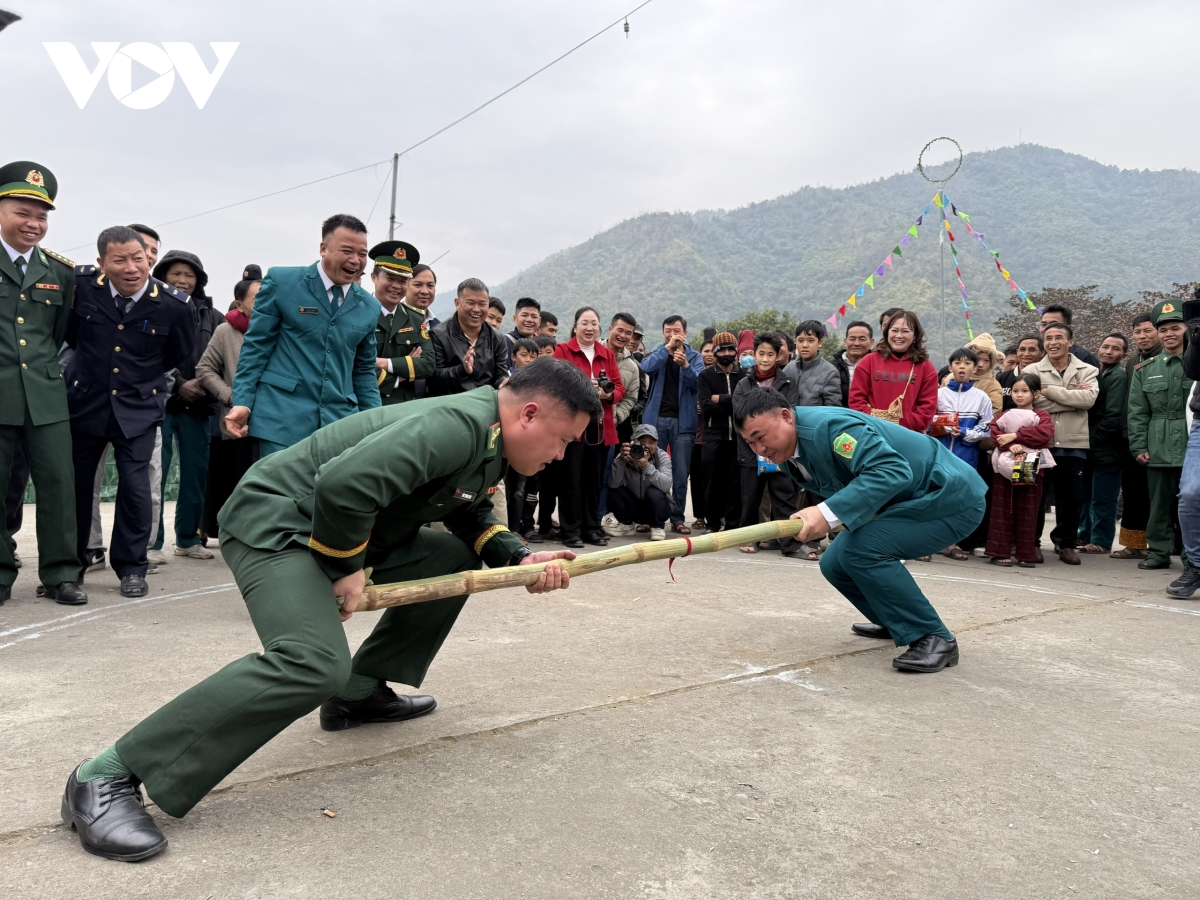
196	552
156	558
617	529
658	534
981	552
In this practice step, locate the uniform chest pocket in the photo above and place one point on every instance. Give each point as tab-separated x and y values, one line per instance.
1155	384
50	298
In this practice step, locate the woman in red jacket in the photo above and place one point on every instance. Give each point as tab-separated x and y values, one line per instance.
899	369
579	473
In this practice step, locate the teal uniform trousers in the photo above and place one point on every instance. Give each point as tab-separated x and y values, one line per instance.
899	495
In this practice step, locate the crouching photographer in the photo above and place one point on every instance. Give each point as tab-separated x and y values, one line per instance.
639	486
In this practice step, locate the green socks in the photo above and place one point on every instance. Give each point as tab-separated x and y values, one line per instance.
359	687
106	765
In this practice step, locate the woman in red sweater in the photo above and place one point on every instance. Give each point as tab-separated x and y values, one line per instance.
898	369
579	473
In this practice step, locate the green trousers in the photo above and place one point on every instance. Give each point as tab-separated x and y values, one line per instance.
864	565
183	750
1163	537
48	449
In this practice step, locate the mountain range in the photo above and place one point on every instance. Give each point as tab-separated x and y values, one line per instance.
1057	219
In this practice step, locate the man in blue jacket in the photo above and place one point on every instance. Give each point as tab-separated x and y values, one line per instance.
672	408
308	359
894	495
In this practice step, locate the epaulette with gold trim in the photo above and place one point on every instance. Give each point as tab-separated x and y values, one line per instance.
85	270
58	257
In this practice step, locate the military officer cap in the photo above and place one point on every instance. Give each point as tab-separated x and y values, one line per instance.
29	180
396	257
1169	310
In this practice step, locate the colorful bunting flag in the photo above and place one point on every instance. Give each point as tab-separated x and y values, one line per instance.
832	320
853	301
888	262
861	290
878	271
870	282
842	310
896	251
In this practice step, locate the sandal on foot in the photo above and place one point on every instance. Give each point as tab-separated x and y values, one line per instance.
680	528
1127	553
1002	561
1092	548
748	548
1024	564
924	559
955	553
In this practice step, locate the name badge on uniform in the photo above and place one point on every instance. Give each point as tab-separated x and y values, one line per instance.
48	287
460	494
311	310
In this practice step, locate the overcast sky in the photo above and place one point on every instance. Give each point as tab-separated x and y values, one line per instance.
707	103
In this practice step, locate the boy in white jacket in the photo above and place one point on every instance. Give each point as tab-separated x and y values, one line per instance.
973	407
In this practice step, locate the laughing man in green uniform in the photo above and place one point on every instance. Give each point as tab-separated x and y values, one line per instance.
405	349
298	531
896	493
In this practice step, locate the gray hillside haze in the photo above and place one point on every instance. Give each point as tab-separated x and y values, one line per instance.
1058	220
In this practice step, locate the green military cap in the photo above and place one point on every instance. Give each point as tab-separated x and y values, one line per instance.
28	179
1169	310
397	257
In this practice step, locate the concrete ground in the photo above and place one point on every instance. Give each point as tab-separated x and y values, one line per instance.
722	736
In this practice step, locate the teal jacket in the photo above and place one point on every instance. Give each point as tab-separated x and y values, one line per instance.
303	364
867	468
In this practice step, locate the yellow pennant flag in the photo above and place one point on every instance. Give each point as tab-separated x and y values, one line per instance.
1004	272
852	302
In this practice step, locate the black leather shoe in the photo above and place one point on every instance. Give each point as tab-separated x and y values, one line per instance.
384	705
573	543
68	593
110	816
1183	586
597	538
134	586
1154	564
5	593
928	654
866	629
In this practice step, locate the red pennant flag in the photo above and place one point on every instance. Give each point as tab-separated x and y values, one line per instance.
842	310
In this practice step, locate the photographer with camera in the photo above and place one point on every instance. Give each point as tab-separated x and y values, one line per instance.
639	486
577	476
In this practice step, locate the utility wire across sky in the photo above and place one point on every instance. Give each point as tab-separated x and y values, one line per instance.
419	143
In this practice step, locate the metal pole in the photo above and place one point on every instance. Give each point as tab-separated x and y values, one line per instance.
392	218
942	242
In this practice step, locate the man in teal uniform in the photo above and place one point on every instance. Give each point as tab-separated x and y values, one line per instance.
299	531
892	493
308	358
405	349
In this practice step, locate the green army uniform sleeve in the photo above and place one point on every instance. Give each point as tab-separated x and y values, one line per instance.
1139	414
406	366
879	473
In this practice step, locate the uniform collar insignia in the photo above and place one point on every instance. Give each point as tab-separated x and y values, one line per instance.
493	436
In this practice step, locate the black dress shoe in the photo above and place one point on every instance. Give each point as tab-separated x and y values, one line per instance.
68	593
928	654
384	705
5	593
597	538
574	543
134	586
110	816
1183	586
866	629
1155	564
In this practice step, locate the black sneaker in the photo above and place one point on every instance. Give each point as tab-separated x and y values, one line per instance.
1187	583
93	560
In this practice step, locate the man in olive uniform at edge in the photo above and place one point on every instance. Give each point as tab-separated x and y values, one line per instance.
405	349
1158	433
897	495
37	288
298	532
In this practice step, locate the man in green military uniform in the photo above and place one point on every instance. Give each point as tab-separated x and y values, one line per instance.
405	348
37	288
300	530
1158	432
892	493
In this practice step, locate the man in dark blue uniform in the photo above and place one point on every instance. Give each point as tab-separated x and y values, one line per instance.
128	330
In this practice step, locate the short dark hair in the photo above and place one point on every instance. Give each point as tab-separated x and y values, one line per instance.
1031	336
473	284
545	340
523	302
1031	379
117	234
861	324
965	353
1010	350
755	403
496	303
1064	311
1138	320
421	267
147	231
813	327
774	338
1062	326
342	220
787	341
529	345
560	381
671	320
549	318
1120	337
625	317
888	313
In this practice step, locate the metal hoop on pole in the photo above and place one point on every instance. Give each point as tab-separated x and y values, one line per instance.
921	160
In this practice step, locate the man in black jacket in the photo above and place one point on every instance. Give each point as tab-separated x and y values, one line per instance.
859	338
468	352
718	459
1189	483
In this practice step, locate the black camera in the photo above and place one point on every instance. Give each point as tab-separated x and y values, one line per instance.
605	382
637	450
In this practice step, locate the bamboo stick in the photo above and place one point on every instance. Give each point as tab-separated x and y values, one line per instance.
381	596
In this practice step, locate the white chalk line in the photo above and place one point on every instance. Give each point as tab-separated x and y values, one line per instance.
88	615
1186	612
